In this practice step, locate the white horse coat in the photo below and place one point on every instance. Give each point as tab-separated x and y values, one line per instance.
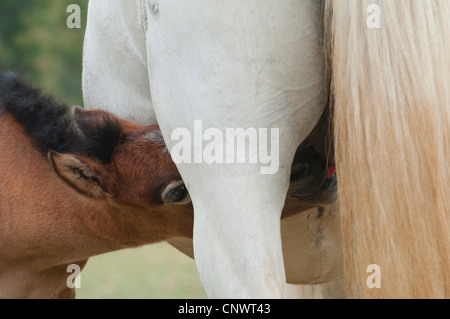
256	64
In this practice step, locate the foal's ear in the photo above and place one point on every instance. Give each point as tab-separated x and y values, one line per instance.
102	133
91	122
86	177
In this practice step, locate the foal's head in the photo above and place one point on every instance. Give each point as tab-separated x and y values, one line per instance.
128	166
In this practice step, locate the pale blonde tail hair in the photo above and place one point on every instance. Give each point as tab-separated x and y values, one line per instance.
391	92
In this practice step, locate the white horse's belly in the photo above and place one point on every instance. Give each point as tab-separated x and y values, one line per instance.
253	64
312	247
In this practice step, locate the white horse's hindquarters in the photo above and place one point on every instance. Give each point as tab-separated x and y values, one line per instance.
115	76
232	65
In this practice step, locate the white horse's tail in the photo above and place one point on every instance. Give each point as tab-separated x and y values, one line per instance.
391	91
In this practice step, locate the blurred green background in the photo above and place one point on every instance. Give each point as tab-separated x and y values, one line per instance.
35	39
153	271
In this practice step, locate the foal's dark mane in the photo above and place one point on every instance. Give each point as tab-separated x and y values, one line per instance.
45	120
50	124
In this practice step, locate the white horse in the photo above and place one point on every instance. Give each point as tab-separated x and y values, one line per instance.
312	254
230	65
262	64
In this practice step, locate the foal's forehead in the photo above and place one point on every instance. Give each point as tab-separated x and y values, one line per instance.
154	136
143	155
151	134
146	141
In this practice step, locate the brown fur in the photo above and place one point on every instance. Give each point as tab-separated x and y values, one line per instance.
45	224
48	222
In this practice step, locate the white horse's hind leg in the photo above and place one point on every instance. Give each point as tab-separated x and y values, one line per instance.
115	76
237	64
304	292
237	240
330	290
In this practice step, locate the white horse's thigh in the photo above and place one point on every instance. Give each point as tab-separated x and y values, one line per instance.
115	76
233	64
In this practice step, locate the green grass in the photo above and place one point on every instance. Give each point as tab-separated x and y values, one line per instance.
155	271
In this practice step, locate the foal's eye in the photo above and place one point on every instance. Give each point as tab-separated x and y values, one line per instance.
176	193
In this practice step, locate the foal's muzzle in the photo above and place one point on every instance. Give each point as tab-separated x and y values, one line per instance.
313	179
